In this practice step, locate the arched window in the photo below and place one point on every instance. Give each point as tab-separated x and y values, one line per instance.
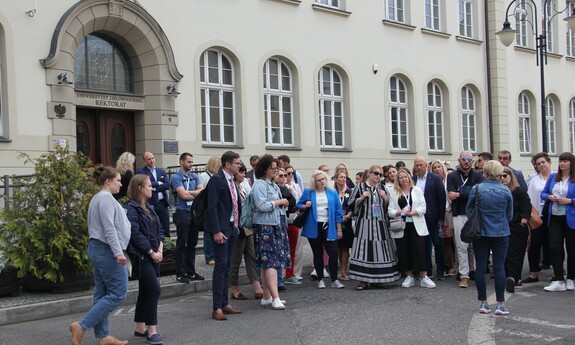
524	116
468	119
278	103
398	114
330	92
550	120
217	97
435	120
101	64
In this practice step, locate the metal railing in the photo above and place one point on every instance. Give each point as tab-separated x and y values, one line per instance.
8	183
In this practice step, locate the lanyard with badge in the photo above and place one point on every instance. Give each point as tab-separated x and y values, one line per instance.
187	180
375	206
562	193
407	208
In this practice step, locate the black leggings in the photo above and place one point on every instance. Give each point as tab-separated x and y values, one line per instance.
317	246
560	236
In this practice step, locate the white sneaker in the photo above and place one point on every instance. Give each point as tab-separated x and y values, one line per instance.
569	285
337	284
269	301
427	283
278	305
555	286
313	274
408	282
325	274
321	284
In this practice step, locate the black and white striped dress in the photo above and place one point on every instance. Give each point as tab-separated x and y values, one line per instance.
373	255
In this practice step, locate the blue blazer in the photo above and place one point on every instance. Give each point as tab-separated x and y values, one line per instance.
220	206
569	209
156	187
146	234
334	213
434	195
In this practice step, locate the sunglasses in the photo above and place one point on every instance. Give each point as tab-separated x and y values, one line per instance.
377	173
468	160
504	176
282	175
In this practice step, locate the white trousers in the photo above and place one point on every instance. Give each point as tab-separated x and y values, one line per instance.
465	254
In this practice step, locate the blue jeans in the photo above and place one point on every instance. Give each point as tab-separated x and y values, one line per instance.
110	291
498	247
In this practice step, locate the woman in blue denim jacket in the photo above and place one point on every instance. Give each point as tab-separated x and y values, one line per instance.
560	191
270	233
496	207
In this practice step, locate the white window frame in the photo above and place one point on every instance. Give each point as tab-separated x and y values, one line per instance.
524	116
330	95
570	36
468	120
572	125
465	10
435	118
396	10
223	89
550	126
398	114
330	3
278	119
522	26
550	28
432	14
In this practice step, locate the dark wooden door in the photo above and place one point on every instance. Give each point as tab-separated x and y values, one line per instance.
104	135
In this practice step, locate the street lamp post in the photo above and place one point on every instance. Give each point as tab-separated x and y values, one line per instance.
507	36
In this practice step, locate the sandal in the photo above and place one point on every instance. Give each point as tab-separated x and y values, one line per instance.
239	296
361	286
258	295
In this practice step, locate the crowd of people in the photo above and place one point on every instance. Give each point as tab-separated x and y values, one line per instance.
382	227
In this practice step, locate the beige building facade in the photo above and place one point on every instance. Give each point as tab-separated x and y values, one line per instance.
323	81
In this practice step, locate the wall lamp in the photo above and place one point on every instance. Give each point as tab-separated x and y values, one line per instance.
63	79
173	90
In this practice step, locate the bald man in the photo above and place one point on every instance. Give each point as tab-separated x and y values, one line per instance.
160	186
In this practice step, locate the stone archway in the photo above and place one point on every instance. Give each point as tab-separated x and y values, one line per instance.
152	59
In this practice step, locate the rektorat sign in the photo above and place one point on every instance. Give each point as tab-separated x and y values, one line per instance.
98	100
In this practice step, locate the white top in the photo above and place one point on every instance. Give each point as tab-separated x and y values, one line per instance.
321	204
535	187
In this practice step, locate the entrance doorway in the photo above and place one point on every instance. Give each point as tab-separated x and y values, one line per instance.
103	135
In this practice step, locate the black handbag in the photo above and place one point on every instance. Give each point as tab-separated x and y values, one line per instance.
471	230
299	221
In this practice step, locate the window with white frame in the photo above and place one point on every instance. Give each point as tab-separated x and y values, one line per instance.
331	106
468	120
522	25
572	125
278	103
550	121
570	36
435	117
330	3
396	10
466	18
217	98
550	27
432	14
524	123
398	112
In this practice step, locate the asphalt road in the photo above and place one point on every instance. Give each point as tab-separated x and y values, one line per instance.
390	315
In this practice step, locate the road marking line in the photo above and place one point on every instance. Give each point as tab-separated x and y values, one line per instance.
540	322
539	337
481	327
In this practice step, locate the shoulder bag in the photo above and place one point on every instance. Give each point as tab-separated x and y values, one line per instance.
535	220
299	221
471	230
397	224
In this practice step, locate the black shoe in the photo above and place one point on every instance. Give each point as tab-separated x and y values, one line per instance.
471	275
182	279
510	284
194	276
282	289
530	280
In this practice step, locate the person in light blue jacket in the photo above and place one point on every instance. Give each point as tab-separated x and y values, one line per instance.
323	224
495	204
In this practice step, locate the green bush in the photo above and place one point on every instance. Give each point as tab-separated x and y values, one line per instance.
46	221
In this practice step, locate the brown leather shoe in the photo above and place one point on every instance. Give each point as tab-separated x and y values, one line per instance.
110	340
218	315
229	310
258	295
77	333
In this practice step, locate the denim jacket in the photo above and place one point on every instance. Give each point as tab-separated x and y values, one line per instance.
495	205
263	195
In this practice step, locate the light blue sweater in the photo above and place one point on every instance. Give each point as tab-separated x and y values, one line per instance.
108	222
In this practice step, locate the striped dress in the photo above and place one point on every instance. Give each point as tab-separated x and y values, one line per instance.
373	255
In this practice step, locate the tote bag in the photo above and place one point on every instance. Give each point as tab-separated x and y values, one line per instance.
471	231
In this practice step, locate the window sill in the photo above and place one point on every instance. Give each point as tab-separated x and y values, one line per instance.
435	33
292	2
283	148
399	25
438	153
332	10
5	140
335	149
402	151
570	58
223	146
468	40
526	154
526	49
555	55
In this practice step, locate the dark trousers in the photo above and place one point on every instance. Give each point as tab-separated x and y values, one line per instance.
539	240
411	250
516	252
148	292
317	246
434	240
498	247
561	235
185	244
163	213
223	256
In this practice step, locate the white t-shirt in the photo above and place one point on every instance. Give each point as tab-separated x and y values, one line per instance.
321	204
535	187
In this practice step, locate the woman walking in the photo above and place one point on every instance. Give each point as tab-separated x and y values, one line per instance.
109	231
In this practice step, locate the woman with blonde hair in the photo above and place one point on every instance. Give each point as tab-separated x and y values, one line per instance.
125	167
348	182
213	165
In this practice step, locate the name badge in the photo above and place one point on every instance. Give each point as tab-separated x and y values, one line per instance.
409	219
189	202
376	211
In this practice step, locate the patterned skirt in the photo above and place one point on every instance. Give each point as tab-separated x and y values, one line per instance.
272	245
373	255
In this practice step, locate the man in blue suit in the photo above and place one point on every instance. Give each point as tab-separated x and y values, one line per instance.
435	198
160	185
222	224
504	157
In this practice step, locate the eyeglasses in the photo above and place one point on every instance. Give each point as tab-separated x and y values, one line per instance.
276	168
320	180
465	159
290	173
377	173
282	175
503	176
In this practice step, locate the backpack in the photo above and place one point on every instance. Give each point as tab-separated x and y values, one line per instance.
247	213
199	210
